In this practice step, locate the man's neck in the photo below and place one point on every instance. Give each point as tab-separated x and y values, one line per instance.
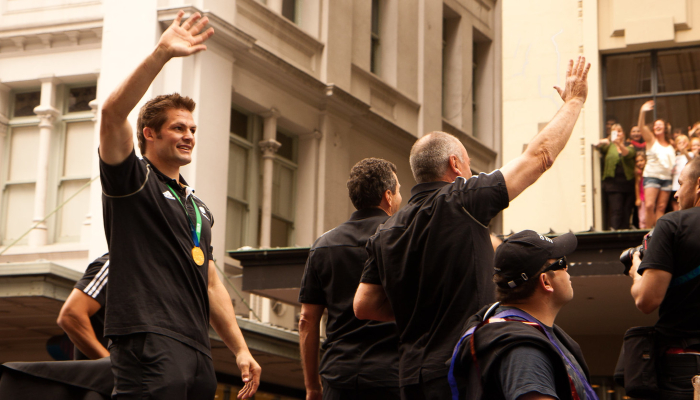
169	170
543	312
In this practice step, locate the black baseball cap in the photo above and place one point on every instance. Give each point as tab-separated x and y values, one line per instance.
522	255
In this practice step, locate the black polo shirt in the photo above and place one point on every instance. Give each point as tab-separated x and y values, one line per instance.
357	353
154	284
434	259
94	284
675	248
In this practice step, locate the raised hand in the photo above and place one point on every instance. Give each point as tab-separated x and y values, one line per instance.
648	106
576	86
184	40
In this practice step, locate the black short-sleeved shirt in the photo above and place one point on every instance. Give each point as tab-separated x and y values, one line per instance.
154	284
357	353
94	284
434	259
526	369
675	248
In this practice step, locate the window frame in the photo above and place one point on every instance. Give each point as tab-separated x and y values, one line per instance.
5	183
57	180
652	95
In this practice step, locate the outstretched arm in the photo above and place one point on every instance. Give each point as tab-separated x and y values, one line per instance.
116	138
540	154
223	320
74	319
641	123
309	338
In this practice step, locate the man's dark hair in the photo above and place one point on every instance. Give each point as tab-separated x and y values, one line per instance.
693	167
430	156
369	180
520	292
154	113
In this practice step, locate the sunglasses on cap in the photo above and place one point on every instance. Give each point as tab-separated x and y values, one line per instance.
557	265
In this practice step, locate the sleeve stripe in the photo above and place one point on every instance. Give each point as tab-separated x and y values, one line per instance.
96	283
104	282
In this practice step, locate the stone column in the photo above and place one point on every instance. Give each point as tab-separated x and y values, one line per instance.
47	115
268	147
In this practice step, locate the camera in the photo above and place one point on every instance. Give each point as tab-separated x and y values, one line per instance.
627	255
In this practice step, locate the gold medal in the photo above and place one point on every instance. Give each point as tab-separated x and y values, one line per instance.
197	255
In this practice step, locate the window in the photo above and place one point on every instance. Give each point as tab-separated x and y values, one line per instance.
76	139
451	67
243	209
670	77
69	165
19	182
289	10
238	202
375	48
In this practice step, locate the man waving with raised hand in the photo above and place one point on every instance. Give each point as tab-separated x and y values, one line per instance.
163	287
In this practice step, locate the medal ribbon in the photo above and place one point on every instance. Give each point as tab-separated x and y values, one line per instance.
196	232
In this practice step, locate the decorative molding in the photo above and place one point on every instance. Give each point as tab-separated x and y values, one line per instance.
19	42
279	26
46	39
47	115
227	35
73	37
94	105
269	147
271	113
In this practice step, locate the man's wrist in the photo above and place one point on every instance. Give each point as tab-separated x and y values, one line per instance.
575	101
161	55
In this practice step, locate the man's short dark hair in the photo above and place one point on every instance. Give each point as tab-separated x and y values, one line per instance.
369	180
520	292
153	114
693	167
430	157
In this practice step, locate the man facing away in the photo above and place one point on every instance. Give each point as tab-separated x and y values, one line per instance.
429	265
520	353
82	316
668	279
163	286
361	357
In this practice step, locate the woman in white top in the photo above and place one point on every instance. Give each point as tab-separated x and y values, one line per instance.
661	156
683	155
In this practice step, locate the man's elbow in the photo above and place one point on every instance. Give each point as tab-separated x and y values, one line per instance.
545	159
646	304
361	310
65	320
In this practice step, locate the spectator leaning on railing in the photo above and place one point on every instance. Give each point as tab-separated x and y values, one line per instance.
660	159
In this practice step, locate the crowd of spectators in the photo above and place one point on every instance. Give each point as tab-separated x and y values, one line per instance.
640	171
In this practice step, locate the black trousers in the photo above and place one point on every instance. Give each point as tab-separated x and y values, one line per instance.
434	389
675	373
620	205
152	366
375	393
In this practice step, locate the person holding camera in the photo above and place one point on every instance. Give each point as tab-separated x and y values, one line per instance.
618	177
668	278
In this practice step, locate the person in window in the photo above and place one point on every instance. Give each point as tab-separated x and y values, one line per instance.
618	177
683	155
637	140
661	156
695	145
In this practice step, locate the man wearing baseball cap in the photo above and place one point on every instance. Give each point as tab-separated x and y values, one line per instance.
512	349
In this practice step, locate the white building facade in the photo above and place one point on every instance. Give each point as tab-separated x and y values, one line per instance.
290	94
